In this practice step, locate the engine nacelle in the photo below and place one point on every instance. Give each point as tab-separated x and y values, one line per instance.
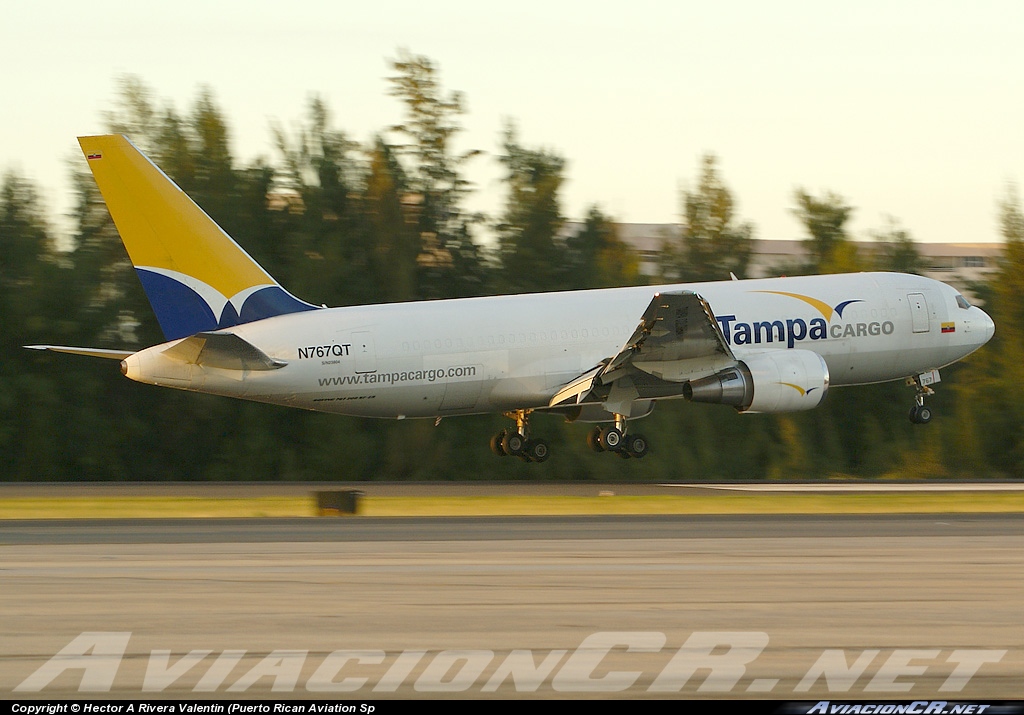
772	381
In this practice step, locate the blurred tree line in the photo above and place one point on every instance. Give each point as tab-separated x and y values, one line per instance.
339	222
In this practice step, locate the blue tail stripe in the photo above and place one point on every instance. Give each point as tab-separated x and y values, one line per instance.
182	312
179	309
270	301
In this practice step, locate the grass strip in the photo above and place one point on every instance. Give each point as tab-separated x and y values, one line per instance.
726	503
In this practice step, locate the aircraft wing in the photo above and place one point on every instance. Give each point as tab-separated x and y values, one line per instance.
677	340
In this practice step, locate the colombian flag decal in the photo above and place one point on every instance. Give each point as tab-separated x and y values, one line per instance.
949	327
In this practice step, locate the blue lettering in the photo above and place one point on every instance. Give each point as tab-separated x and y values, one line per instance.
723	321
743	333
795	330
819	329
767	327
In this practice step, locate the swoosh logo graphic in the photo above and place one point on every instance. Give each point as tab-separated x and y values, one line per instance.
802	391
826	310
799	389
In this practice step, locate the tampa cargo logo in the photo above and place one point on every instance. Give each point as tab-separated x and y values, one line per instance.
793	330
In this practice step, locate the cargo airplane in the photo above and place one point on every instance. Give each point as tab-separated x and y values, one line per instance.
597	356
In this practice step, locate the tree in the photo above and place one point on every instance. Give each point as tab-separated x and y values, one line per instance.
392	224
895	250
989	385
598	258
712	245
533	252
825	219
448	262
326	244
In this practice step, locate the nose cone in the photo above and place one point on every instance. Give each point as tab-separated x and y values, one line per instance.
986	326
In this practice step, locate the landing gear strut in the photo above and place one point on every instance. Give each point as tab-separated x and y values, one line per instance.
921	414
517	443
614	438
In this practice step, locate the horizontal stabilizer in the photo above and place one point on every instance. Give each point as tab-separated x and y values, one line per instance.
223	350
91	352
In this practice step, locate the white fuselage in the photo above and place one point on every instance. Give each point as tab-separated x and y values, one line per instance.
502	353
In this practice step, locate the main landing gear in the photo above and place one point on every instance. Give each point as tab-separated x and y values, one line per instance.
614	438
516	442
921	414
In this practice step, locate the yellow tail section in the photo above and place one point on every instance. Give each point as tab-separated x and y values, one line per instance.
195	275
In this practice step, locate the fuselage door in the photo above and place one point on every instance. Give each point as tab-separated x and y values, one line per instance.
919	312
365	354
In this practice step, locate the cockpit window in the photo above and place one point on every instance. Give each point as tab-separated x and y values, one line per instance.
962	302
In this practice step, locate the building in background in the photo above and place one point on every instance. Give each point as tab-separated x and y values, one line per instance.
958	264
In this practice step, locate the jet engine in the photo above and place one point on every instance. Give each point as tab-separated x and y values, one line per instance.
771	381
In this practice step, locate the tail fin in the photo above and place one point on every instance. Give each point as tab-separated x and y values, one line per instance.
195	276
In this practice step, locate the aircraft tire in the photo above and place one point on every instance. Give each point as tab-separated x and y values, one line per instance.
611	439
594	439
513	444
920	414
637	446
496	441
538	450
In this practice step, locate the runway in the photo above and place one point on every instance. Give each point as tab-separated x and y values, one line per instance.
791	608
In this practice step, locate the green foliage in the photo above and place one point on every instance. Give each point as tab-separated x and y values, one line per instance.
449	262
828	244
895	250
712	245
343	223
598	258
533	252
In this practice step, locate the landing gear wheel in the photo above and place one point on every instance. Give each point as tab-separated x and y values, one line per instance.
594	439
496	441
611	439
513	444
636	445
537	450
920	414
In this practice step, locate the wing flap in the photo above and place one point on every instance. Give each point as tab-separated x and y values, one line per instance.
678	339
675	327
574	392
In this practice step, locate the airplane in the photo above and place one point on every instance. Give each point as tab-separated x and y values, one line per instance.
596	356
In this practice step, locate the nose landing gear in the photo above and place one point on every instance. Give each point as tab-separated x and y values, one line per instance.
921	414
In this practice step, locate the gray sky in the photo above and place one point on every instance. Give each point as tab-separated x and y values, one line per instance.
907	109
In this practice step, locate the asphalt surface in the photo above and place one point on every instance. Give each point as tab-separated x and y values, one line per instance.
781	607
497	528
